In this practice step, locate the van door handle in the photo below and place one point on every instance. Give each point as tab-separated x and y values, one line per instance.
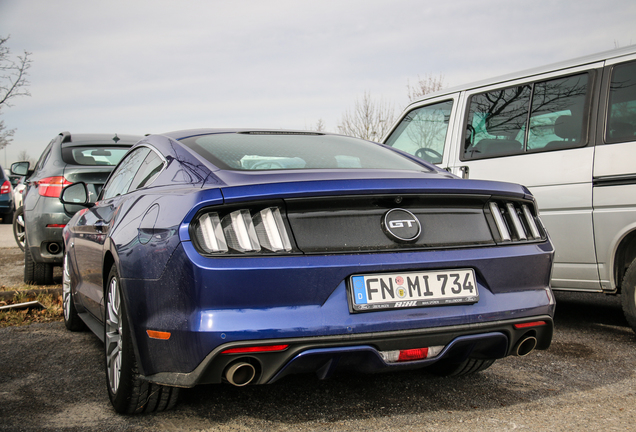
464	170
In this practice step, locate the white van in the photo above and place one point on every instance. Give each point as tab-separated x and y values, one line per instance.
567	132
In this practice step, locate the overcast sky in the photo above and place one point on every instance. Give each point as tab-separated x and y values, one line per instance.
155	66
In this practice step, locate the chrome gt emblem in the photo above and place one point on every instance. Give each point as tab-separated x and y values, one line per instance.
401	225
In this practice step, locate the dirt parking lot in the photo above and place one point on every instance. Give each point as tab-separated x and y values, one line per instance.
51	379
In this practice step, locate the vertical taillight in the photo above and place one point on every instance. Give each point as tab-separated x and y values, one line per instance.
5	188
242	232
52	186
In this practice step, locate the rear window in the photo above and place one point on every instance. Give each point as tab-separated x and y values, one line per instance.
93	155
248	151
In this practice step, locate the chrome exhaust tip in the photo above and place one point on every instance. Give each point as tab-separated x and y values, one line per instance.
53	248
240	374
525	346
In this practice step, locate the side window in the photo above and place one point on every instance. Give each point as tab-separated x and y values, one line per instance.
558	113
45	156
423	131
150	168
621	115
545	115
120	180
496	122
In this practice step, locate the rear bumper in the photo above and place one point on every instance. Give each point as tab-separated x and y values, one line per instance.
327	355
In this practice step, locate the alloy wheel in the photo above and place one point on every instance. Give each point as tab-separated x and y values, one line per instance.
113	335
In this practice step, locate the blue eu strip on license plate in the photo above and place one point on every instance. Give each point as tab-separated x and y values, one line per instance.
413	289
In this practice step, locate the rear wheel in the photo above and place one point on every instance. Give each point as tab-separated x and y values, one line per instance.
128	392
628	295
18	227
71	319
468	366
36	273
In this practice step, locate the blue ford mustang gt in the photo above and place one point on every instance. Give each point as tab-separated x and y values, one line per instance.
243	256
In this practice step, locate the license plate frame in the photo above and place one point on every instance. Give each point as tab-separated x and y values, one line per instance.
398	290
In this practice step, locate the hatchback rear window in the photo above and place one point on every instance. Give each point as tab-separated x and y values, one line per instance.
290	150
93	156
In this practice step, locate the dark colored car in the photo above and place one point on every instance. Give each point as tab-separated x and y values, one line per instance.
67	159
244	256
6	198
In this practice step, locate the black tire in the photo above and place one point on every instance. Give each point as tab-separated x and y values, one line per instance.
628	295
468	366
72	321
36	273
128	392
18	227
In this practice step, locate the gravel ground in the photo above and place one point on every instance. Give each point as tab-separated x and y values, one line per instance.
51	379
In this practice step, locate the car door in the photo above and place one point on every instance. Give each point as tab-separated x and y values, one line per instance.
614	188
94	226
540	133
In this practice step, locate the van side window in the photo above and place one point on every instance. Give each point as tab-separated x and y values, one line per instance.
423	131
541	116
621	118
496	121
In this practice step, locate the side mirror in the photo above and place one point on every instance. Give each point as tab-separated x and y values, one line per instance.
76	194
20	168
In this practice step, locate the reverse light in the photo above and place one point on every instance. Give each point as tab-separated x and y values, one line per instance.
5	188
52	186
256	349
413	354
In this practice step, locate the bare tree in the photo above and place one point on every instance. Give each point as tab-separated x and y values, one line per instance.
369	119
318	127
13	83
425	85
24	155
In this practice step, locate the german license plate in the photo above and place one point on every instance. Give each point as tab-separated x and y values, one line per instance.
414	289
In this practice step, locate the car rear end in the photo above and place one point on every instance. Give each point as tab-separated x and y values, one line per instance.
335	289
6	198
86	158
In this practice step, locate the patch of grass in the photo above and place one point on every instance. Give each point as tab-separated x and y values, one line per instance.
51	312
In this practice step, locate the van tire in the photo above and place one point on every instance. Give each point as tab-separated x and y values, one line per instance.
628	295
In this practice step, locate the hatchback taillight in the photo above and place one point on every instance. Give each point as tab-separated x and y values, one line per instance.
6	187
52	186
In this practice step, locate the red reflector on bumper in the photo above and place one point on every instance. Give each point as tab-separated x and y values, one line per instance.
255	349
529	324
56	225
413	354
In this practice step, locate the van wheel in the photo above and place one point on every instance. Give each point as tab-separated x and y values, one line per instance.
628	295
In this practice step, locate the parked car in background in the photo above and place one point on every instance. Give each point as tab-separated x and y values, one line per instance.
6	198
67	159
567	132
243	256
